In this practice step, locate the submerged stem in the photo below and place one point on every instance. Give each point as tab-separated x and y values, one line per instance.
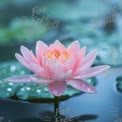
56	109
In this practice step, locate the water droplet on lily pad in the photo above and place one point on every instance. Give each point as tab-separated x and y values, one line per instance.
9	89
10	84
28	88
22	72
22	89
13	68
38	91
45	89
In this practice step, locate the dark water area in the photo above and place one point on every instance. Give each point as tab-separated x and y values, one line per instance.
104	106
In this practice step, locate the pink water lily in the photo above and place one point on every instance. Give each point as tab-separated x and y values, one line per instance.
57	66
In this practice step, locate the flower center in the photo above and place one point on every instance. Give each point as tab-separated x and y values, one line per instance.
56	53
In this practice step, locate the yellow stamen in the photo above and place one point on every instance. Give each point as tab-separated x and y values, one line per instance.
48	55
56	53
67	55
62	55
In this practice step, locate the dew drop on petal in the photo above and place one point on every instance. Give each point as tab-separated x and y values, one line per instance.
90	89
83	85
9	89
54	91
86	87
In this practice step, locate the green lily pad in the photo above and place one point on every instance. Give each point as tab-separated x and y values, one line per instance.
28	91
9	69
7	89
12	68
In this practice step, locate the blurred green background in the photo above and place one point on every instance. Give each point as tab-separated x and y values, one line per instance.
96	24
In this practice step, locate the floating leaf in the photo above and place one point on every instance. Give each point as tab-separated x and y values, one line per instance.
7	89
12	68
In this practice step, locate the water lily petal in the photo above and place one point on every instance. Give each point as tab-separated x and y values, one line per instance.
34	58
83	51
22	60
30	78
62	76
69	63
26	54
94	71
40	80
57	88
26	78
41	47
58	45
81	85
51	65
90	57
82	69
74	47
79	56
39	70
